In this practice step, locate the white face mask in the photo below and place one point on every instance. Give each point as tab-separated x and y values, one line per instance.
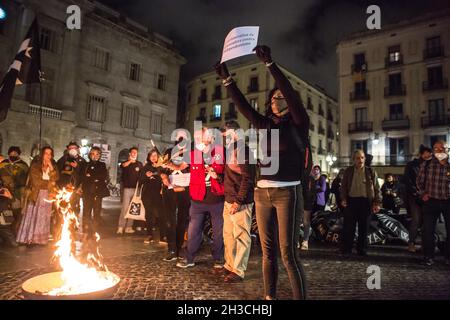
200	146
73	152
441	156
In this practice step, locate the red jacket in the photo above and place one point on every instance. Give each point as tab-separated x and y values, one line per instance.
197	184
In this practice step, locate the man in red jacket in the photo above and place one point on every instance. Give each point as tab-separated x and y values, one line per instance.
206	190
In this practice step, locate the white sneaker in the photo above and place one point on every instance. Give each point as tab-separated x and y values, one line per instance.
119	230
129	230
304	245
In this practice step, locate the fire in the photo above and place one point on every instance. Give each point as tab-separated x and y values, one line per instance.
77	277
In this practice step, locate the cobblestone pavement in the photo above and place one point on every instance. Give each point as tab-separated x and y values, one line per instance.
329	276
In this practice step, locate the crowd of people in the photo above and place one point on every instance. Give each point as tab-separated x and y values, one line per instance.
226	186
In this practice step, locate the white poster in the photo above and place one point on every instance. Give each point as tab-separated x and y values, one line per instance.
180	180
240	42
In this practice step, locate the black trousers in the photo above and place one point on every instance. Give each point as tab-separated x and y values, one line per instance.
153	210
92	209
357	212
432	209
177	218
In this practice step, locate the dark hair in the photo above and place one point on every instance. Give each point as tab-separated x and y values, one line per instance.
269	101
133	148
150	153
96	149
317	166
47	148
14	149
388	175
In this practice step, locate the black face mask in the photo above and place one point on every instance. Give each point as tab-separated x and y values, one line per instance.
13	159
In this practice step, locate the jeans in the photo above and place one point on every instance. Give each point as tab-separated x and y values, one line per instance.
276	217
416	218
126	199
197	213
236	237
357	212
176	206
432	209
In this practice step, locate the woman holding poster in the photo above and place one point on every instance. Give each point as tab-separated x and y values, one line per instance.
276	190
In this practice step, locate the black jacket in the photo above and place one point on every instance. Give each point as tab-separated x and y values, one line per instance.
410	176
151	187
296	123
94	180
69	174
239	177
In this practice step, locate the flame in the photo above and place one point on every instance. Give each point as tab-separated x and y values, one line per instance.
77	277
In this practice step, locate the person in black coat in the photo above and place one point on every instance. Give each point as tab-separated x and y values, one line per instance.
390	194
151	183
94	189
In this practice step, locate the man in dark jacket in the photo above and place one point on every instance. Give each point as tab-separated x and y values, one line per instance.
360	194
412	194
237	212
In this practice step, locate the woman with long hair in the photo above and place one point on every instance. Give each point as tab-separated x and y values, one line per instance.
276	192
41	187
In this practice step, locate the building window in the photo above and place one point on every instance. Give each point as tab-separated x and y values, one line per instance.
130	116
359	62
217	93
309	104
254	103
435	77
101	59
436	109
433	43
48	40
135	72
394	54
395	80
360	87
397	151
217	111
360	115
96	108
33	91
359	145
162	82
396	111
202	97
254	85
157	123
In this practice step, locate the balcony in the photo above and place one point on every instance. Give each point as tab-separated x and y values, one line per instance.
330	135
321	131
398	124
391	91
360	127
201	118
216	96
431	86
436	121
393	63
321	113
201	99
309	106
253	88
395	160
330	117
434	52
231	115
321	151
359	95
362	67
46	112
213	118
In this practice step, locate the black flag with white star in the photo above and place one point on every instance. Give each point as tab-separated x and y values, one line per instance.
25	68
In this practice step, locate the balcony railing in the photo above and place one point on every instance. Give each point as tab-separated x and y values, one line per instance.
435	52
392	63
231	115
46	112
201	99
397	124
216	96
252	89
201	118
215	118
321	151
360	127
439	85
359	67
395	160
399	90
321	131
436	121
359	95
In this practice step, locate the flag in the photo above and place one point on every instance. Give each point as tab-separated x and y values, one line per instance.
26	68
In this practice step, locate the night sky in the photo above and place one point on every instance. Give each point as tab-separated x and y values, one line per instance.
302	34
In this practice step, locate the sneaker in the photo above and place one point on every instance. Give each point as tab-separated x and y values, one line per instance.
119	230
149	240
304	245
184	264
427	262
129	230
171	257
218	264
412	248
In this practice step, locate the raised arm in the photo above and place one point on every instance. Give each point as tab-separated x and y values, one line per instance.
258	120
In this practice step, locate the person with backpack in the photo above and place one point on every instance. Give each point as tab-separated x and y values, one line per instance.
360	194
276	192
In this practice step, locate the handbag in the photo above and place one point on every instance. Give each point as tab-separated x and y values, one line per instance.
136	210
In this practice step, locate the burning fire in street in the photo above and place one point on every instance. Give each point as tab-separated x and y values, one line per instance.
77	277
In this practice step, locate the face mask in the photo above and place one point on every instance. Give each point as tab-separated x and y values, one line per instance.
200	146
73	153
441	156
13	159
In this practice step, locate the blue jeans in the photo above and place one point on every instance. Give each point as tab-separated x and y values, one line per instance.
197	214
276	210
